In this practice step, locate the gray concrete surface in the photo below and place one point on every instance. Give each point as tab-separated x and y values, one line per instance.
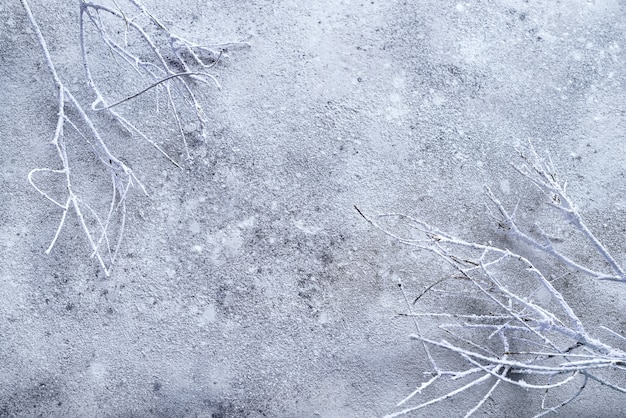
247	284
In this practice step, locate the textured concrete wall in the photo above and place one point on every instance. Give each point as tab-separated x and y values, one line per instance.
246	283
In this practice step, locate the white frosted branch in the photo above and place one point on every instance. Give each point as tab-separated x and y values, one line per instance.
122	174
442	398
552	346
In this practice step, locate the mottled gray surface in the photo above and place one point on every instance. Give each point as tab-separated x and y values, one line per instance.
247	285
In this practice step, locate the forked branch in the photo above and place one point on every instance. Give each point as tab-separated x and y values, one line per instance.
162	74
528	335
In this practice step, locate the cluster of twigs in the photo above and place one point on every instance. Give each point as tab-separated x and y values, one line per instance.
187	64
505	322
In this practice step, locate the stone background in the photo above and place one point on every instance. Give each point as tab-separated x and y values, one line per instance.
247	284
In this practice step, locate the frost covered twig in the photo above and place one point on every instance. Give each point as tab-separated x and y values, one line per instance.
170	69
122	176
175	76
520	331
543	175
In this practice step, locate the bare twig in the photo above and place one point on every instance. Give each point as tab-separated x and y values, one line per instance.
162	75
539	337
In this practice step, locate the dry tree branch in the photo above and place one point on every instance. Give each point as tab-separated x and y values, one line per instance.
160	70
521	337
122	176
162	75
